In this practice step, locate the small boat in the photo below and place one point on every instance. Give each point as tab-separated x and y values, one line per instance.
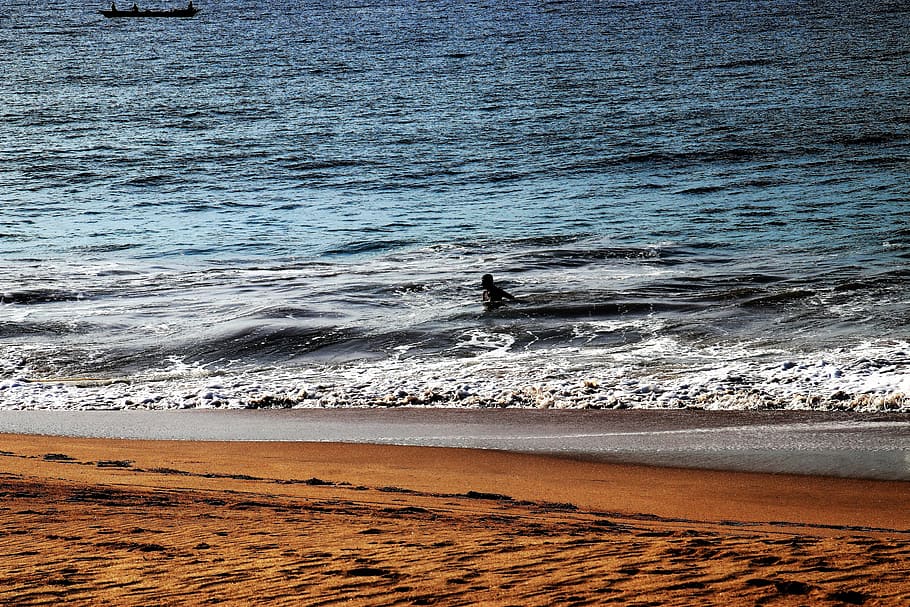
174	12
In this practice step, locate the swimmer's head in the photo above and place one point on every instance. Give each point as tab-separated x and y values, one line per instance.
487	281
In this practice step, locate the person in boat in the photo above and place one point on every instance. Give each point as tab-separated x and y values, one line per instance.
189	6
113	7
135	7
492	294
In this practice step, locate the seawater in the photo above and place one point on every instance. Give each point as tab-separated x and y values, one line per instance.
698	204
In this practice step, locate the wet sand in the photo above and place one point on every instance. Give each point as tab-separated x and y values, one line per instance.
130	522
853	445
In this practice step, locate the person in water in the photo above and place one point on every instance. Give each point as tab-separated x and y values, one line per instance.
493	295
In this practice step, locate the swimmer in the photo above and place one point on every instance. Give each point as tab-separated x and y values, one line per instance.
493	295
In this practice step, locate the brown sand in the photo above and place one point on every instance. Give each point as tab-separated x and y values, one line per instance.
102	522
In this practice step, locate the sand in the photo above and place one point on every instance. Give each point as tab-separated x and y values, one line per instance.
130	522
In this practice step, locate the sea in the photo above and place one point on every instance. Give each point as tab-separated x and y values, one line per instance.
697	204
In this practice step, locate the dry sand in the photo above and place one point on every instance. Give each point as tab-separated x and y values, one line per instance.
106	522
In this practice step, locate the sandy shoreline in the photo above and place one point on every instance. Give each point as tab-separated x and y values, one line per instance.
128	522
850	445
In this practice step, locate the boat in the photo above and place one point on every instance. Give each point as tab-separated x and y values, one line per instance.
189	11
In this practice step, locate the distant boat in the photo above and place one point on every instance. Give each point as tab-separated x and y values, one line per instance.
190	11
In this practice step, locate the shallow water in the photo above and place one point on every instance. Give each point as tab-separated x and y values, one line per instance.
698	205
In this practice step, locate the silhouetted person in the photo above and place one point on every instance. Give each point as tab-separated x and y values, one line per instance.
189	6
114	6
493	295
135	7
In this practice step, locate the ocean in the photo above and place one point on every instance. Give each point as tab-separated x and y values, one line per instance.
291	204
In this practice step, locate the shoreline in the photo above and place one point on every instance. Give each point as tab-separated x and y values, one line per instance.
188	522
838	444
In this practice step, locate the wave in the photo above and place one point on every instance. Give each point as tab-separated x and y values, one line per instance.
571	257
368	246
707	155
569	311
52	329
741	63
776	299
875	139
269	343
37	296
408	320
645	372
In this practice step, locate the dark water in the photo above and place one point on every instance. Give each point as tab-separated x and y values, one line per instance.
281	204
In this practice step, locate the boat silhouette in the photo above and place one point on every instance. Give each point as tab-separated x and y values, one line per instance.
189	11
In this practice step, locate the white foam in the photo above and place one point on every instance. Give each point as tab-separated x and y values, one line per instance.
659	372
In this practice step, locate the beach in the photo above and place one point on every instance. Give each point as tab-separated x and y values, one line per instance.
88	521
244	357
693	204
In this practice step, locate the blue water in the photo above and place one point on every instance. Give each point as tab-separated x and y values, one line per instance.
291	204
